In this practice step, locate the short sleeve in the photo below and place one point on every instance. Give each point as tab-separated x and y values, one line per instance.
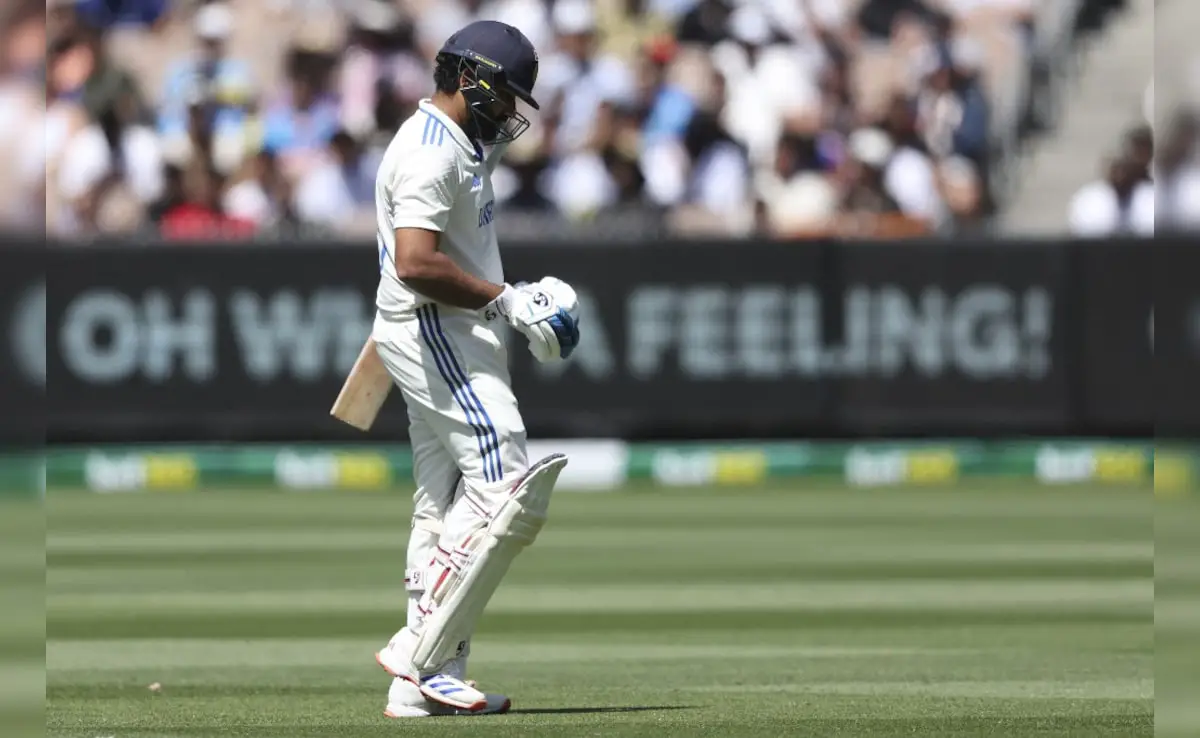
421	190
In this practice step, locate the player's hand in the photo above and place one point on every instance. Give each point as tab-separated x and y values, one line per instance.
545	312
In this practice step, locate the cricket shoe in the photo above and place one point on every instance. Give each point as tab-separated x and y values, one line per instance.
406	700
448	688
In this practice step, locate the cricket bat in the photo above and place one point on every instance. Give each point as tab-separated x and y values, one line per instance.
364	391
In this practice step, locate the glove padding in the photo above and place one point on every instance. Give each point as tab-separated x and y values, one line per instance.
546	312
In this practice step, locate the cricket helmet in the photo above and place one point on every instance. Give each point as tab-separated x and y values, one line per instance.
500	64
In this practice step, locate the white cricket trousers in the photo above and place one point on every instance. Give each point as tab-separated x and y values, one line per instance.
468	439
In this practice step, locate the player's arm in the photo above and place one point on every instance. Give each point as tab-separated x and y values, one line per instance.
421	266
422	194
548	321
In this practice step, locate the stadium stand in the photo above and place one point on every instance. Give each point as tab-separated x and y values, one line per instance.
775	118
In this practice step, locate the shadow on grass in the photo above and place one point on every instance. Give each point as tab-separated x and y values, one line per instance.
592	710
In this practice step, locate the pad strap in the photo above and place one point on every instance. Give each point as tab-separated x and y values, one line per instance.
414	580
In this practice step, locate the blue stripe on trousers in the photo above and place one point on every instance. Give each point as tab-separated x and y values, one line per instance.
493	449
427	332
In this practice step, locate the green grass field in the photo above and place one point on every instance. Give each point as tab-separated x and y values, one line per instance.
22	618
784	611
1177	618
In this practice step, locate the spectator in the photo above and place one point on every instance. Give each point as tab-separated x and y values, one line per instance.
22	55
212	84
200	215
910	175
1139	148
623	170
797	195
520	186
706	23
866	192
577	80
199	143
806	206
961	188
838	100
108	13
942	114
338	190
381	61
971	135
580	185
771	81
627	26
798	151
636	112
119	155
68	66
22	121
261	194
172	195
1177	175
668	105
301	122
718	181
1019	14
1119	204
108	84
62	18
878	18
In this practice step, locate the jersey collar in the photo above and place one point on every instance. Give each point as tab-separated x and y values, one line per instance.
458	134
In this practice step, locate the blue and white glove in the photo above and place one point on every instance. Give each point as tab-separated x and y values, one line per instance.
545	312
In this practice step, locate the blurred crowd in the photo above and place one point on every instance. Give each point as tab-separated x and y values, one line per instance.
240	118
1149	184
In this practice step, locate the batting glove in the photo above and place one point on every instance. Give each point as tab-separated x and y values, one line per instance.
545	312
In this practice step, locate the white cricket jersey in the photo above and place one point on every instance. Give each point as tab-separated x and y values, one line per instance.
434	177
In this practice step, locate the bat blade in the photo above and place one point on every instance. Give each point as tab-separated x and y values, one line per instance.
364	391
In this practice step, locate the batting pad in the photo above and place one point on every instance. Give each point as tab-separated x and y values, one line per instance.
474	570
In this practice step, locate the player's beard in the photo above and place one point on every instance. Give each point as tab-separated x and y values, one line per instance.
487	131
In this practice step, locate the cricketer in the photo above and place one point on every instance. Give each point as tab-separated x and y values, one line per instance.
443	310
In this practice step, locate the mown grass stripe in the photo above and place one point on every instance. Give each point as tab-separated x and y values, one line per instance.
648	597
124	655
968	599
712	507
123	552
283	624
270	575
1108	689
803	540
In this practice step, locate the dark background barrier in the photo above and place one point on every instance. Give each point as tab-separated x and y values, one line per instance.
680	340
22	344
1175	276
